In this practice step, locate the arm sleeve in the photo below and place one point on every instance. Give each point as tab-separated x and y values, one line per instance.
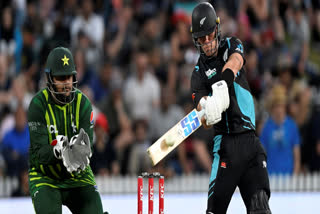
86	118
41	151
198	87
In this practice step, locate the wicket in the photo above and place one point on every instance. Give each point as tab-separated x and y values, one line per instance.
150	177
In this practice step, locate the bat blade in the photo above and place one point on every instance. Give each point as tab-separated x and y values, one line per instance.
176	135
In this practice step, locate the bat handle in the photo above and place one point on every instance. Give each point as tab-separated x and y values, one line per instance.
200	113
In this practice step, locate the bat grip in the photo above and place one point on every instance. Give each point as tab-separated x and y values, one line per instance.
200	113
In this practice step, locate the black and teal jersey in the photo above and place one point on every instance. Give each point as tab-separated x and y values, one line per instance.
240	116
46	120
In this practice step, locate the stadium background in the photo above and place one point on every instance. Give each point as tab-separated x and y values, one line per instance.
134	59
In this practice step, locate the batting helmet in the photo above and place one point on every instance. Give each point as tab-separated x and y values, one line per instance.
204	22
60	63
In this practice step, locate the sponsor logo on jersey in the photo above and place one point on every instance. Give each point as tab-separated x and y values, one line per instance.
223	164
33	126
91	118
52	129
210	73
202	21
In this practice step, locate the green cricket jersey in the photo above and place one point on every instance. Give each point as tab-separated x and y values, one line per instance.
46	120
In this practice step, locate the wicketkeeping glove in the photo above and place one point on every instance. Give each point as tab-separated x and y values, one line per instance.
77	156
58	145
74	154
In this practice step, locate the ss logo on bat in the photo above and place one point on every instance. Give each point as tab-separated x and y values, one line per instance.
190	123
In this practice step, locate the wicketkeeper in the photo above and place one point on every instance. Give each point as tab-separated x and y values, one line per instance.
60	120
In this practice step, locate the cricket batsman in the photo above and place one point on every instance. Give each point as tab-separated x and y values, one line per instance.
60	120
220	87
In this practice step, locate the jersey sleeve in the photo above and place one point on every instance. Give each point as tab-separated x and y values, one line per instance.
41	152
86	117
198	87
234	46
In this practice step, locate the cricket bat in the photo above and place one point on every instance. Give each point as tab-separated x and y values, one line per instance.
176	135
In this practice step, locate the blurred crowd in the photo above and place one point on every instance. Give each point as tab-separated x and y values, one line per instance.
134	59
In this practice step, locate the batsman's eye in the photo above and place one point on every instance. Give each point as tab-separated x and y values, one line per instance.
204	39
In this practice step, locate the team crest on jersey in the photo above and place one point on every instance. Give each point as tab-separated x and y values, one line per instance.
91	118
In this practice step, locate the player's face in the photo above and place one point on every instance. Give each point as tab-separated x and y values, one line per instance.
208	44
63	84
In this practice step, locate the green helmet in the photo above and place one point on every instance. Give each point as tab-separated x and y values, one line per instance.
60	63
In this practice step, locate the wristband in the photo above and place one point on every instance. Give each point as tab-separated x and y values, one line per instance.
228	76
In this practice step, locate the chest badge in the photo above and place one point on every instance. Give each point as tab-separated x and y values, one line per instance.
211	72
